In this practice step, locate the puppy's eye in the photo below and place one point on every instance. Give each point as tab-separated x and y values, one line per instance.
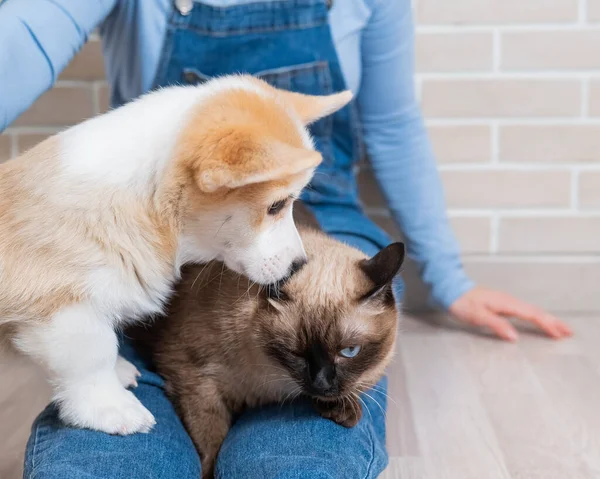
277	207
350	351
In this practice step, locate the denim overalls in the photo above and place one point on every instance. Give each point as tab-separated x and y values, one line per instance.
288	44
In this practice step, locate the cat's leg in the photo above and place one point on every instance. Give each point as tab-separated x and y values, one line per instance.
126	372
345	412
78	348
206	418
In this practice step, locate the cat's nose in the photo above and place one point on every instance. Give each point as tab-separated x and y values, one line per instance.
324	380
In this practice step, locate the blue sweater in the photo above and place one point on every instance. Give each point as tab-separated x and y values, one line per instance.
375	43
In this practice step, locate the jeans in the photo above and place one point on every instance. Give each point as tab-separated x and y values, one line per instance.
288	441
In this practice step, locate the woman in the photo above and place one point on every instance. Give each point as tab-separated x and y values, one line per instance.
303	45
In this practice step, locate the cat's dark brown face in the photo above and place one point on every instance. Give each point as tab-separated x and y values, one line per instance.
332	326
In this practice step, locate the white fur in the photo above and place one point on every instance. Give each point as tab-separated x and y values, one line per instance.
126	372
122	299
78	347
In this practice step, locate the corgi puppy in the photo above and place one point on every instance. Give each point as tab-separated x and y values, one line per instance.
96	222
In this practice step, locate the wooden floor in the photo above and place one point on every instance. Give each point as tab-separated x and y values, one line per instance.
463	406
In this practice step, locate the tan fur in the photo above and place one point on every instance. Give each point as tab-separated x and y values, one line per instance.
34	247
251	140
212	349
47	250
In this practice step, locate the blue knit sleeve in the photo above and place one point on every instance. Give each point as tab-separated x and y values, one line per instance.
39	38
400	152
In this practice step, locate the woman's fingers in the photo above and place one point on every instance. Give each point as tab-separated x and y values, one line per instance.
507	305
500	326
489	308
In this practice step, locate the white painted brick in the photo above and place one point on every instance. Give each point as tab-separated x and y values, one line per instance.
589	190
507	189
473	233
593	13
551	50
462	143
594	98
569	284
454	52
495	11
550	235
550	143
489	98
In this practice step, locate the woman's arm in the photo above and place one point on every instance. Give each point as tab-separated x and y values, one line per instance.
404	165
38	38
400	152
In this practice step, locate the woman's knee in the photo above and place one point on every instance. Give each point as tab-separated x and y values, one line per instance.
294	442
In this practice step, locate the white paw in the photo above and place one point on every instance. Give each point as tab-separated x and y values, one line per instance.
113	410
126	372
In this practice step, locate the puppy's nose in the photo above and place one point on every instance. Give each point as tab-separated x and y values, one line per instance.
296	266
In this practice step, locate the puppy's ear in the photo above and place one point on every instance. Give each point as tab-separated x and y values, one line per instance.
240	158
381	269
311	108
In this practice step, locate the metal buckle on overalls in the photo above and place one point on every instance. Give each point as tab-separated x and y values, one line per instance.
329	4
184	6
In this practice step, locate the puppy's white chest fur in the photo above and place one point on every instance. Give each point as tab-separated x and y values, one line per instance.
126	297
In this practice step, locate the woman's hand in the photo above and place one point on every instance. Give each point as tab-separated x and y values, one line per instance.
484	307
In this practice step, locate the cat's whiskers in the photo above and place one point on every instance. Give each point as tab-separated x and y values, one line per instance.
252	283
376	402
208	282
364	387
222	224
363	402
260	288
245	293
271	366
274	380
221	277
200	274
292	394
297	393
355	405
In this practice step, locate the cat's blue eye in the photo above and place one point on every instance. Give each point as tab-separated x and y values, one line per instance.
350	352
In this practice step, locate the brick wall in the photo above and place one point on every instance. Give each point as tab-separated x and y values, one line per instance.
511	93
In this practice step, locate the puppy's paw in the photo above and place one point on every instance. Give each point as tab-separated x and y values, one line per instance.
346	412
126	372
111	410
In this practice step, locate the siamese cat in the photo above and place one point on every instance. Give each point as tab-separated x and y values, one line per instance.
326	332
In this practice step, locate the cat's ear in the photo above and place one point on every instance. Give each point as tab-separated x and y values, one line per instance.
381	268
